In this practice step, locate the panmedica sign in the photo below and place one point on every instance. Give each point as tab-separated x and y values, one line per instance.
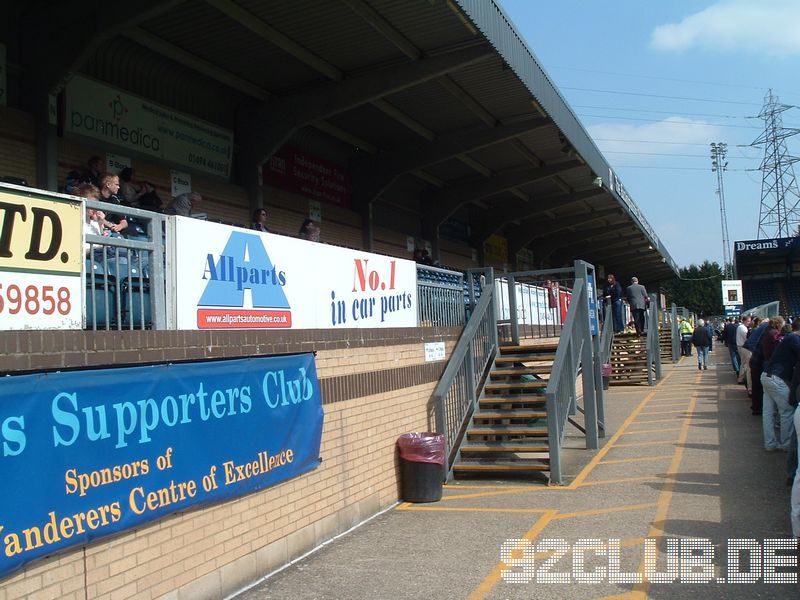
41	257
89	453
115	117
231	278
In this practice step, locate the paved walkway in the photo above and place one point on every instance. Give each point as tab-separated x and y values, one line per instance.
682	460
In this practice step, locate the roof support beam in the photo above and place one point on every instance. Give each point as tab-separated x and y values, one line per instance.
265	31
593	246
194	62
382	26
495	221
375	174
519	237
54	52
275	121
443	204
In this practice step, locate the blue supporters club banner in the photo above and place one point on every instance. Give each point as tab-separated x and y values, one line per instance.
89	453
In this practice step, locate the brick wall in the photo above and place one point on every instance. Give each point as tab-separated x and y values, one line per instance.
375	385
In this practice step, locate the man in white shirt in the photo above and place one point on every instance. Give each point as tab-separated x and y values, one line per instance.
744	353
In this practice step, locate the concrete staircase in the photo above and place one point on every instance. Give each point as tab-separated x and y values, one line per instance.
508	431
629	360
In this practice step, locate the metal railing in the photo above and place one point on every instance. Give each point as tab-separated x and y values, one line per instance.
576	351
676	334
125	279
529	303
653	342
607	335
457	392
440	297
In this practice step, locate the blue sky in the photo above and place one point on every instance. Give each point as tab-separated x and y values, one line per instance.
724	55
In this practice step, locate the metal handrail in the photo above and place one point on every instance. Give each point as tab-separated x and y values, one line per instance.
105	251
676	336
607	335
574	355
456	394
653	343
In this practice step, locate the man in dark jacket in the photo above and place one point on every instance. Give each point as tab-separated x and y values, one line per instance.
701	340
637	298
729	337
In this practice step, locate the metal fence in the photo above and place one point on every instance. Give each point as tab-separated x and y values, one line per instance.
577	355
441	297
653	342
125	277
530	303
456	393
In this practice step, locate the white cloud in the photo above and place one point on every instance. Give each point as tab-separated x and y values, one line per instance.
673	135
766	27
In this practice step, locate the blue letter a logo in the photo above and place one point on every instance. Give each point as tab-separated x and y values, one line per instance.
243	264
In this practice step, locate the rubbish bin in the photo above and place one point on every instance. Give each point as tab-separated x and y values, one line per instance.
421	464
606	372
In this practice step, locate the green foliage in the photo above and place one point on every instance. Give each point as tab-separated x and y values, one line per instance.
699	289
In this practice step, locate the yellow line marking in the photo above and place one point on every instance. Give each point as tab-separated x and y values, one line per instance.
610	444
664	404
663	412
623	480
640	444
670	420
623	461
493	578
458	486
505	493
651	431
476	509
605	511
665	497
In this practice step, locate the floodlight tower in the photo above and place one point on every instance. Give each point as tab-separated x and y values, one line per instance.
718	164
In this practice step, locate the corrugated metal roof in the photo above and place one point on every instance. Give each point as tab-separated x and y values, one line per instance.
434	107
125	64
330	30
207	33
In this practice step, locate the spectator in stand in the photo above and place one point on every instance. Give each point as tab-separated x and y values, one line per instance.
776	379
130	189
422	257
701	340
109	186
753	344
72	182
729	337
259	220
612	293
638	300
183	205
309	231
744	354
95	172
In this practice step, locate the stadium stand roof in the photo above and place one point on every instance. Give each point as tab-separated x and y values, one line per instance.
439	108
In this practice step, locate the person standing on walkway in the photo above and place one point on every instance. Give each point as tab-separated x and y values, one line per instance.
613	293
776	379
710	330
685	331
701	341
729	337
744	353
637	298
754	344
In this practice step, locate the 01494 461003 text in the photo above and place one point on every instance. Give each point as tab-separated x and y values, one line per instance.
683	560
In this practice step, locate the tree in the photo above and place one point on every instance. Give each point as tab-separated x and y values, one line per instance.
698	288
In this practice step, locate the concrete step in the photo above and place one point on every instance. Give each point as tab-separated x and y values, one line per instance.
516	466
